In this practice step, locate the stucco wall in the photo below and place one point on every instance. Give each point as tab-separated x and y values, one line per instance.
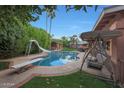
117	48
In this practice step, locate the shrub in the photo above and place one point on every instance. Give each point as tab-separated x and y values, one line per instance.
15	31
9	33
4	65
36	34
13	41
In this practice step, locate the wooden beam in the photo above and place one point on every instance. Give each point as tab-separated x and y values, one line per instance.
100	34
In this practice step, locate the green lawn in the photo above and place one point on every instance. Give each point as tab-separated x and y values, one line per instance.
3	65
76	80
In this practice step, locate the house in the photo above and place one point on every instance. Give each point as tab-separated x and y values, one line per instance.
82	45
112	19
56	44
73	45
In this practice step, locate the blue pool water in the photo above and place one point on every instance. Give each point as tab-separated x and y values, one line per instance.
57	59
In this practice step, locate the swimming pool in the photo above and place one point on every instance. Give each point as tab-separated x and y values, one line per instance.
57	59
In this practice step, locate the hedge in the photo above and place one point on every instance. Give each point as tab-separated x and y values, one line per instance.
14	39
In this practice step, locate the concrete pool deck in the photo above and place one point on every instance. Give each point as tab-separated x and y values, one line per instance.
18	60
10	79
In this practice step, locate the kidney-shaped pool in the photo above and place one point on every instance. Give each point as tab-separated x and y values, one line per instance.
57	58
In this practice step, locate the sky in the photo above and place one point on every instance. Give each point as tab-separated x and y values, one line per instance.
70	23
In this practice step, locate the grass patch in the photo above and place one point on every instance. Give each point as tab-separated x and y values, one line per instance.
4	65
76	80
68	49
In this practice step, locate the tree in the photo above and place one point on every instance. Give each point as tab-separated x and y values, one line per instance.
65	41
51	9
74	40
25	14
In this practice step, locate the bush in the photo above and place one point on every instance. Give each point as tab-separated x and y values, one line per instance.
9	33
13	41
4	65
36	34
15	31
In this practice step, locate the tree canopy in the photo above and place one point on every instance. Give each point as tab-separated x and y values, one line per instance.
31	12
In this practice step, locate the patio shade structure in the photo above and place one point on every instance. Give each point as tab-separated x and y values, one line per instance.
105	35
97	41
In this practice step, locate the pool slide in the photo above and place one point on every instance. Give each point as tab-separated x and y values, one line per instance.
36	42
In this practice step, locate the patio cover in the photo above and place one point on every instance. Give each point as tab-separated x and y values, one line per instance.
106	35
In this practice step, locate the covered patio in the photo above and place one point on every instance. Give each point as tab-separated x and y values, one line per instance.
111	20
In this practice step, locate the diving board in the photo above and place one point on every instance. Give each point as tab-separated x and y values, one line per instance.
21	65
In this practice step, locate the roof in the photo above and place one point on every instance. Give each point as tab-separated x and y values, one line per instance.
107	14
82	42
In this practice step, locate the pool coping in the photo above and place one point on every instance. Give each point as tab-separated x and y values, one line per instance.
45	75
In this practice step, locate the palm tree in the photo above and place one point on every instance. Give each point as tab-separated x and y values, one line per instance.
74	40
